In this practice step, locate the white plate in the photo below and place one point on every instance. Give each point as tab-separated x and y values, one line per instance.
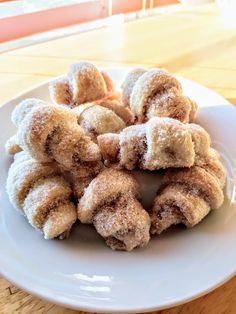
83	273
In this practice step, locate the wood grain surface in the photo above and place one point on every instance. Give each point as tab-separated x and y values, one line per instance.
193	43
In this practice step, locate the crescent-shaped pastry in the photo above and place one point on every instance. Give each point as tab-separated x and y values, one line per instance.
40	193
110	202
18	114
187	195
157	93
103	116
83	83
158	144
51	133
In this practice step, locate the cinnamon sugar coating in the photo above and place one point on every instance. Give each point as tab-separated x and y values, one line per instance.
51	133
81	171
159	143
61	91
187	195
83	83
63	144
24	108
129	82
19	113
157	93
114	103
110	203
103	116
12	146
40	193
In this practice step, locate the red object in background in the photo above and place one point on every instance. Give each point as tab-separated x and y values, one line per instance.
124	6
14	27
30	23
157	3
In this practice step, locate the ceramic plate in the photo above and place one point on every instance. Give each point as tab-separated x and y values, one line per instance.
83	273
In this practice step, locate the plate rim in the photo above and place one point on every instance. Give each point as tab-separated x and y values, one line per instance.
120	310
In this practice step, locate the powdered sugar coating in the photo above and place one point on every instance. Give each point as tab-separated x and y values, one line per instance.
200	138
107	186
128	84
23	173
12	145
18	115
87	83
169	144
158	144
97	120
60	91
24	108
110	203
124	225
117	106
157	93
52	133
108	198
83	83
187	195
40	193
103	116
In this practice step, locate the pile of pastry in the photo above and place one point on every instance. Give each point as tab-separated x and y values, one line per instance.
73	157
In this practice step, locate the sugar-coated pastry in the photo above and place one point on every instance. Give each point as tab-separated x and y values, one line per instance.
83	83
40	193
110	202
83	175
129	82
159	143
24	108
12	146
84	171
96	120
103	116
18	114
114	103
81	148
187	195
157	93
61	91
108	81
51	133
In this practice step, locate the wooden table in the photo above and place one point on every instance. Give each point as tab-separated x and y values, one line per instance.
192	43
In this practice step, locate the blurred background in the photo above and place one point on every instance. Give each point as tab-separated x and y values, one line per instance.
24	22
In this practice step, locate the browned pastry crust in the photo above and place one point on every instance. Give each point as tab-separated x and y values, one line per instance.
40	193
108	81
157	93
82	173
115	104
128	84
61	92
103	116
12	146
51	133
84	83
110	203
187	195
61	161
23	108
159	143
18	114
96	120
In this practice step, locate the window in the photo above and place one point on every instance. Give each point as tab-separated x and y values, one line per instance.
23	18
